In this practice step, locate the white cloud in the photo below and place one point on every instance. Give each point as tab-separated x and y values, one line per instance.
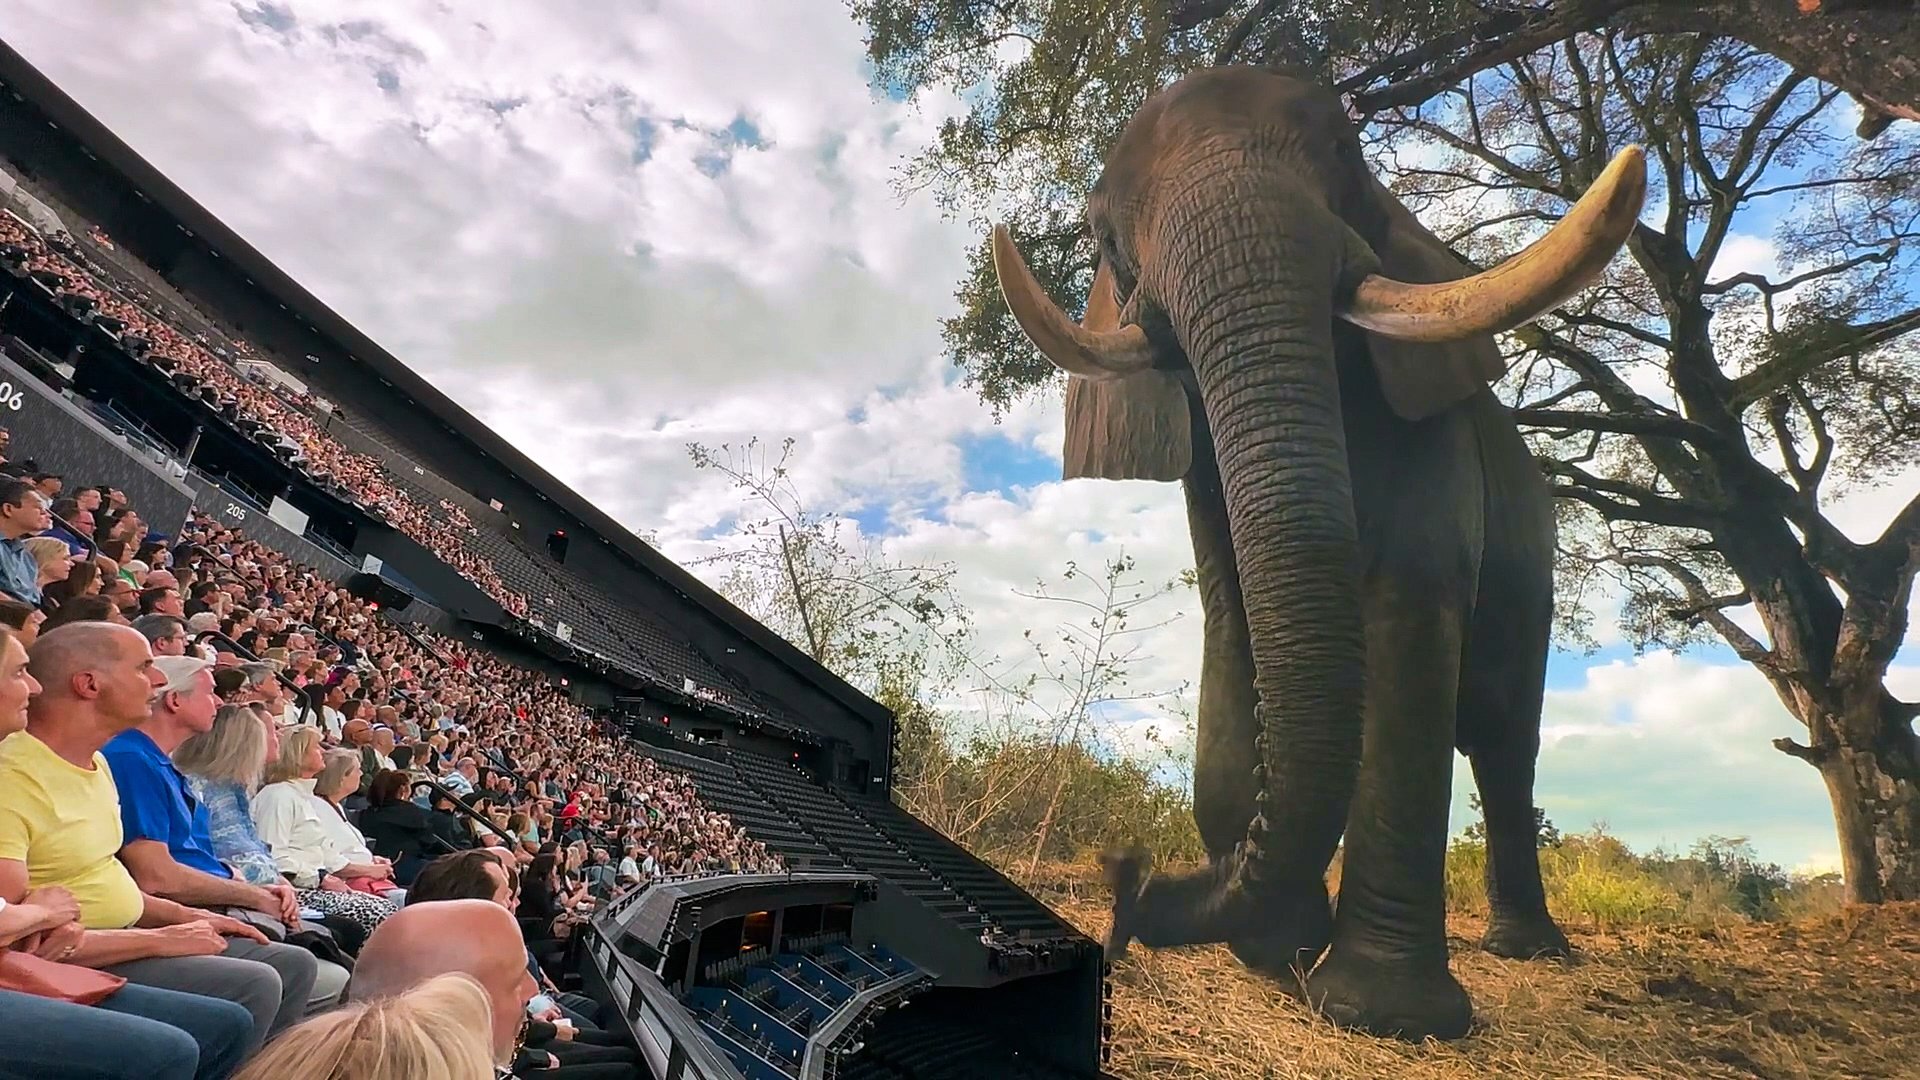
1665	749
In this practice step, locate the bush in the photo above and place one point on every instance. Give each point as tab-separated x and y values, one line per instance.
1607	891
996	797
1593	879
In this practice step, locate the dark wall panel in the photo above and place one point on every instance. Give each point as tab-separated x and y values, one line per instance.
62	439
258	525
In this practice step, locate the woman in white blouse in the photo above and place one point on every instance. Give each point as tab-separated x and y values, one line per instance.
340	777
293	823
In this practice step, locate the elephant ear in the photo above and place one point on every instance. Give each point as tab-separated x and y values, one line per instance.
1136	427
1421	379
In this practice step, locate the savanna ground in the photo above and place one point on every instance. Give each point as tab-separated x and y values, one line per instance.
1664	985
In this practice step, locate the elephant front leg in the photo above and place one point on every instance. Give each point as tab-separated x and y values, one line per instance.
1224	787
1386	970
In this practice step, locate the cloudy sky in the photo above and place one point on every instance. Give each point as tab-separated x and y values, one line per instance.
612	234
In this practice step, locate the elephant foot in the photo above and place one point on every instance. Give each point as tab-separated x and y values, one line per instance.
1277	960
1396	1000
1287	957
1524	937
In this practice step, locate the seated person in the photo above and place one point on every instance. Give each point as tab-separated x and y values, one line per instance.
60	825
289	818
476	938
396	828
338	781
165	829
484	875
223	768
439	1029
23	513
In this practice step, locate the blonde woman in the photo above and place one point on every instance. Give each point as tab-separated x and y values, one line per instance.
438	1030
51	556
223	768
288	816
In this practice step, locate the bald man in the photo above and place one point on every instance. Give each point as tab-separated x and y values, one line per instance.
477	937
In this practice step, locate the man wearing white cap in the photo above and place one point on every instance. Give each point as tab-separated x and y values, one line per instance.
166	837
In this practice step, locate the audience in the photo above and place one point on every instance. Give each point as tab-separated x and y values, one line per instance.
60	825
210	718
437	524
87	1024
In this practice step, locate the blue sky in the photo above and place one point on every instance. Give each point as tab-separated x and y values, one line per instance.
612	233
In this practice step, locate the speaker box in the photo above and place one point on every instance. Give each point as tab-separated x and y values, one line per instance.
379	590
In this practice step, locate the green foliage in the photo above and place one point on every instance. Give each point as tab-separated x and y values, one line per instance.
998	791
1593	879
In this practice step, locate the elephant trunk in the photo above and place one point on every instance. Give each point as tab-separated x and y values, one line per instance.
1250	294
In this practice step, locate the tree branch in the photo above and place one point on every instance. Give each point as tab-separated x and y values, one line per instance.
1492	49
1697	610
1744	645
1863	50
1902	533
1241	30
1658	341
1663	427
1771	288
1656	512
1776	374
1812	755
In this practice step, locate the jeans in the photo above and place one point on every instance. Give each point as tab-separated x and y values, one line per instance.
135	1034
274	982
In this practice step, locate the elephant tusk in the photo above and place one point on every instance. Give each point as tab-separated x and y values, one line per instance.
1523	288
1074	349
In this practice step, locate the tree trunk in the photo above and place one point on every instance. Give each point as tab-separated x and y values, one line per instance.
1875	791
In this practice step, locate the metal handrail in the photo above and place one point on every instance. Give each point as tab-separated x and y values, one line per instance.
93	547
688	1054
465	808
306	705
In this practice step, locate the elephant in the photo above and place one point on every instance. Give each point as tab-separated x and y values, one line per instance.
1373	541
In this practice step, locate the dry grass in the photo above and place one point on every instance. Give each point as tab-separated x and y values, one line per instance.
1819	998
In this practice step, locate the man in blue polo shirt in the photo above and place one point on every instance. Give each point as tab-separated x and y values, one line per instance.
167	840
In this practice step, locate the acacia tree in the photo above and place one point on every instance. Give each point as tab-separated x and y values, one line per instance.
1695	425
1384	54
